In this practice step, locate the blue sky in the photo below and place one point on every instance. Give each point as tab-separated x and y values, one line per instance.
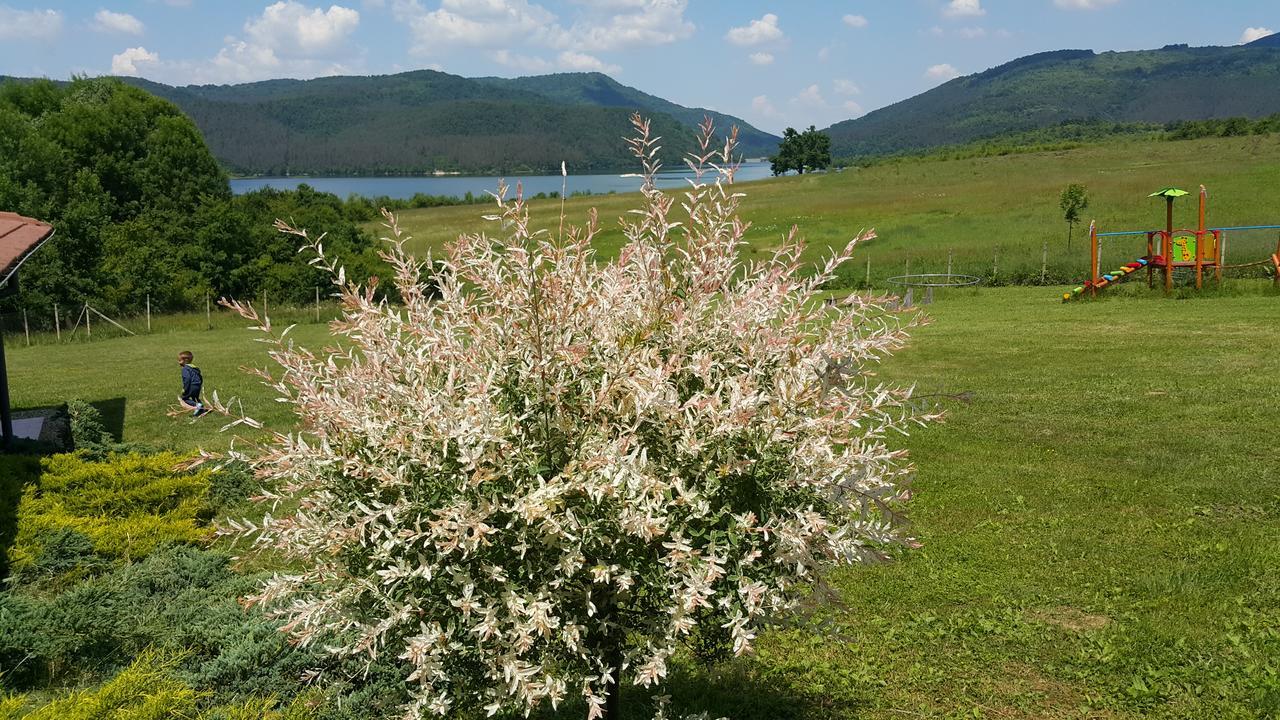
774	63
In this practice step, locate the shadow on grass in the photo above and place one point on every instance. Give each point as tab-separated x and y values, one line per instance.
112	416
16	472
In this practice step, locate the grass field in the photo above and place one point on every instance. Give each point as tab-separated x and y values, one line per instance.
989	211
1100	518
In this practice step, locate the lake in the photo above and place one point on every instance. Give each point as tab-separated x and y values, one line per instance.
460	185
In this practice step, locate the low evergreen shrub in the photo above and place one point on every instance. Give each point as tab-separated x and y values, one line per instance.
126	505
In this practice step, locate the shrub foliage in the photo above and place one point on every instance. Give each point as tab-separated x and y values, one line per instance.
554	474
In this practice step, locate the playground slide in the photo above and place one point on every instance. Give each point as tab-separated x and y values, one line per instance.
1120	274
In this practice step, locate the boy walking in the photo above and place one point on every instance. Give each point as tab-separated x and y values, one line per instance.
192	383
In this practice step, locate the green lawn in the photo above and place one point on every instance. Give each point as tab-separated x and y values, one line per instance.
985	211
1101	517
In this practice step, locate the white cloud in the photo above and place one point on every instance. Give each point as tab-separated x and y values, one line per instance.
964	8
812	96
854	108
1083	4
582	62
761	58
824	53
107	21
289	39
477	24
603	25
29	24
855	21
1254	33
293	30
618	24
525	64
972	33
756	32
127	62
945	71
761	105
845	87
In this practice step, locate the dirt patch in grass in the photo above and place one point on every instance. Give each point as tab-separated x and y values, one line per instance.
1072	619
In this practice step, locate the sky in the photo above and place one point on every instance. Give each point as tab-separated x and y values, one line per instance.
775	64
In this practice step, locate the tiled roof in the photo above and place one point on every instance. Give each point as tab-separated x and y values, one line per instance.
19	237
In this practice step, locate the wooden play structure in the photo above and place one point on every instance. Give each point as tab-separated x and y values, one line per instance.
1202	250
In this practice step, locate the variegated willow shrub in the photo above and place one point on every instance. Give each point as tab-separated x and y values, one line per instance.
542	481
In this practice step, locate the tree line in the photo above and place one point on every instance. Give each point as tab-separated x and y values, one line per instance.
143	209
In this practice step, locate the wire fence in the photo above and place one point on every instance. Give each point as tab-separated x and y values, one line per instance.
1247	255
59	324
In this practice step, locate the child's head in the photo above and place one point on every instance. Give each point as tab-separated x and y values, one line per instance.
185	357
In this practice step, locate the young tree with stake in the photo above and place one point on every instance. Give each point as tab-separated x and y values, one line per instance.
539	484
1073	201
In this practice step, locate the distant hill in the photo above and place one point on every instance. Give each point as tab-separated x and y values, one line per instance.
602	90
426	121
1071	86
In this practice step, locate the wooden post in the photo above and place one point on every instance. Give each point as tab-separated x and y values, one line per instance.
1093	258
1217	256
26	329
88	327
148	312
317	303
6	419
868	273
1044	261
908	271
57	324
208	322
1168	258
264	303
1151	251
1276	258
950	255
995	265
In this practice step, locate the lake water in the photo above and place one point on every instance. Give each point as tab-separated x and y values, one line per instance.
460	185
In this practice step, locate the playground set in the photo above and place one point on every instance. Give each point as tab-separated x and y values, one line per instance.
1202	250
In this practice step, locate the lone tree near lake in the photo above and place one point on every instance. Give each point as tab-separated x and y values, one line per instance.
537	485
809	150
1073	201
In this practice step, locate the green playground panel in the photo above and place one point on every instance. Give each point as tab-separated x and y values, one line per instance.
1184	248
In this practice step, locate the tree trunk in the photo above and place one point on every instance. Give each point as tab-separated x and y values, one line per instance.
1069	229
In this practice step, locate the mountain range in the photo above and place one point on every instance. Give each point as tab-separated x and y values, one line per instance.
426	121
1162	86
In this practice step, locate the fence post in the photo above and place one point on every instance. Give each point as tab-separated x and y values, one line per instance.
26	329
1044	261
868	273
995	265
950	253
57	324
148	312
88	326
317	303
264	303
208	322
908	272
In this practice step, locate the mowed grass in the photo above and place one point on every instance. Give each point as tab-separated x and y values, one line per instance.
1100	518
989	211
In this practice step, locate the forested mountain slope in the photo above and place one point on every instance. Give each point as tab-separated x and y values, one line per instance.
1151	86
425	121
599	89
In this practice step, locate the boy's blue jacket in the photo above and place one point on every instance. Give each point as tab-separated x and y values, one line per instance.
191	381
